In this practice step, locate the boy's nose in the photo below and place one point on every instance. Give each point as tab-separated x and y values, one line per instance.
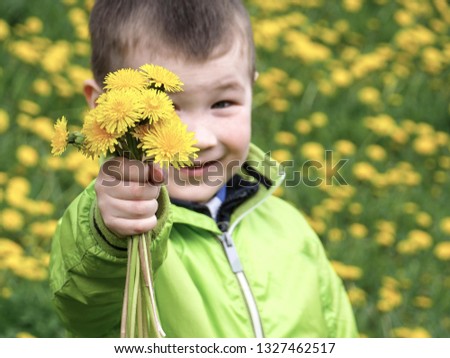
206	138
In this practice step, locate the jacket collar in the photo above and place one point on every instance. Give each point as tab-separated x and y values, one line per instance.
260	176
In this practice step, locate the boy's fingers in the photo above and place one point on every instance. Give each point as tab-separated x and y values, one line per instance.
155	174
124	169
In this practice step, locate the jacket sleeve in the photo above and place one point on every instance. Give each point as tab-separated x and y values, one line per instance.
88	266
338	310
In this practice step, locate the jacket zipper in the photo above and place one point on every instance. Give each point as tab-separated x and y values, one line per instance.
230	250
236	266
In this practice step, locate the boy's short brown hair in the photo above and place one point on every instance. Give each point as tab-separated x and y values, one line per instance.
193	29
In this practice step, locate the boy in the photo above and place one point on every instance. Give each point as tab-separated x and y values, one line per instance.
230	259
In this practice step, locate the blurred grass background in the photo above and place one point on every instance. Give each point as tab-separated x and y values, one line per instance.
365	80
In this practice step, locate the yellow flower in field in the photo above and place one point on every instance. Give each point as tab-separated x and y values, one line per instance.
161	77
5	292
9	248
444	225
364	171
125	78
442	251
33	25
281	155
369	95
347	272
423	302
355	208
352	5
156	105
279	104
303	126
405	332
424	219
4	121
358	231
312	150
27	155
444	162
385	238
56	57
410	208
24	335
404	18
345	147
98	140
334	235
4	30
416	240
341	77
11	220
29	107
44	230
390	298
376	152
42	87
3	178
399	136
425	145
118	110
319	119
382	124
294	87
60	136
357	296
168	142
285	138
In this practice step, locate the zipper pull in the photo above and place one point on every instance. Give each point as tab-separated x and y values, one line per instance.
230	251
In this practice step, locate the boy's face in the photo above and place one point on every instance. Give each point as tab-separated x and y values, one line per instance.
216	106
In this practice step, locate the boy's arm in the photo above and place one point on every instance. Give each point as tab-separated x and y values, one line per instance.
88	266
339	313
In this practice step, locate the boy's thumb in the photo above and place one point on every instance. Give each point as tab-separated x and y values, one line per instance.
155	174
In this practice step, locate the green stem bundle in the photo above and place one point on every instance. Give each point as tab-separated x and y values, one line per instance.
139	313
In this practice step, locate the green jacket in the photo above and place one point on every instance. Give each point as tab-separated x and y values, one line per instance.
273	279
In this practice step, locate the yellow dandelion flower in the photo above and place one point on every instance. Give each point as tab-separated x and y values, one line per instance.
161	77
345	147
442	251
444	225
169	143
423	302
425	145
125	78
119	110
347	272
156	105
285	138
303	126
358	231
27	155
98	140
281	155
60	136
4	121
357	296
139	132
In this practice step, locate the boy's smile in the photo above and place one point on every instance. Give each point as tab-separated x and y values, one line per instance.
216	106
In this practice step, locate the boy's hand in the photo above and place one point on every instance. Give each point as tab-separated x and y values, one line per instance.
127	192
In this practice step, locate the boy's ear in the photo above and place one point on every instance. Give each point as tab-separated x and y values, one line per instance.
91	92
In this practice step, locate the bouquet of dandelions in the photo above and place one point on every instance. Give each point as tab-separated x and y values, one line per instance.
135	118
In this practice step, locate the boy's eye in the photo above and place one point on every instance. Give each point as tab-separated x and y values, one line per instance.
221	104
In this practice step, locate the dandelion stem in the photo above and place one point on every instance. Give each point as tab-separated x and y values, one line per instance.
123	325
